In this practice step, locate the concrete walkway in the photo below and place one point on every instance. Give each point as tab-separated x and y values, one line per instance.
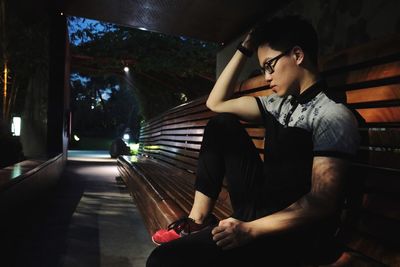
90	222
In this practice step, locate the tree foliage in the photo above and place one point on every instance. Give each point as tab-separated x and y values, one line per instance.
25	48
145	51
93	114
165	71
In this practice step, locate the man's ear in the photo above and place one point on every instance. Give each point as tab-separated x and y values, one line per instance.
298	54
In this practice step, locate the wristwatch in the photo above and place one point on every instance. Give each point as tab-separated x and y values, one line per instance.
245	51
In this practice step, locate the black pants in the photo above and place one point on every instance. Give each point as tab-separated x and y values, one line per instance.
228	151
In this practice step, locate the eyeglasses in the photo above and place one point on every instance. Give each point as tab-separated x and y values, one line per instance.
269	65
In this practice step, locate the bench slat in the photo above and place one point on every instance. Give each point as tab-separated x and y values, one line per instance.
183	119
378	93
191	124
175	144
190	110
380	137
178	108
373	115
181	138
376	72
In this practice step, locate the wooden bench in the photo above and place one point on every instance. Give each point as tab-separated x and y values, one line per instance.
161	177
27	180
25	190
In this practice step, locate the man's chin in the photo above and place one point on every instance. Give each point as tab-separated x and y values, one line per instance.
280	93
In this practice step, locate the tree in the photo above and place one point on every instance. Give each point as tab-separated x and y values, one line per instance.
94	115
169	69
165	71
25	52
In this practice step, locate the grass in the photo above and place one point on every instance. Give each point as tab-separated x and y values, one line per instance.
98	143
92	143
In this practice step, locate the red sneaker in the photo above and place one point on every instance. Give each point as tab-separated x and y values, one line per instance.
181	227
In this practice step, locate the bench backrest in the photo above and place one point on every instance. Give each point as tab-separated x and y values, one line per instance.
369	77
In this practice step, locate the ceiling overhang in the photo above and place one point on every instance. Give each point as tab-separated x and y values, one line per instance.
218	21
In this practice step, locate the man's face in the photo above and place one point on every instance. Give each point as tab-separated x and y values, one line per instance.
284	77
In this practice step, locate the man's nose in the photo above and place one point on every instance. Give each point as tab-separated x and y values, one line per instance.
268	76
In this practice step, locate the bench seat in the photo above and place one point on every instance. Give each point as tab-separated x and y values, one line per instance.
21	184
168	190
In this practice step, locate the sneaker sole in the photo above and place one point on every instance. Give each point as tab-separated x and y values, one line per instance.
152	239
185	234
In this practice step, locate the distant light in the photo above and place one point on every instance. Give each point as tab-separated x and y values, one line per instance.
76	138
183	97
126	69
134	159
126	137
142	28
62	14
92	107
134	146
16	126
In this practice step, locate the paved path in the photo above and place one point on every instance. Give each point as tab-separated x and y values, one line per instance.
89	221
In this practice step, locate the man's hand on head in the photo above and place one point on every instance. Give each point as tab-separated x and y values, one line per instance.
248	41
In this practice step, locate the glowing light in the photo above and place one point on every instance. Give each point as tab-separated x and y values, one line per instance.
16	126
142	28
92	107
76	138
183	97
126	137
134	148
126	69
134	159
62	14
154	147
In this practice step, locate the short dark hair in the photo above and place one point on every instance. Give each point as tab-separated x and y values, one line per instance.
282	33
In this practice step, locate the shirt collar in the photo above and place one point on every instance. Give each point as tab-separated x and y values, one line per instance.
310	92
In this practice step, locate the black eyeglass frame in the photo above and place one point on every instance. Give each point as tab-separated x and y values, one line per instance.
269	65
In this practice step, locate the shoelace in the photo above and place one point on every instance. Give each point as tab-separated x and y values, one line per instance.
181	224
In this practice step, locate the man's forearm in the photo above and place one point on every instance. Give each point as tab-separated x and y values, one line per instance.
324	198
225	85
303	212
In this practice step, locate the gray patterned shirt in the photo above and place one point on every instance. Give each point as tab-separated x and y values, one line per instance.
332	125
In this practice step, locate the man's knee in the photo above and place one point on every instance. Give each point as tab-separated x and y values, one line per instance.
223	121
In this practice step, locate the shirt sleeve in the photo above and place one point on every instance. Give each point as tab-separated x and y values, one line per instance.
269	104
336	133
